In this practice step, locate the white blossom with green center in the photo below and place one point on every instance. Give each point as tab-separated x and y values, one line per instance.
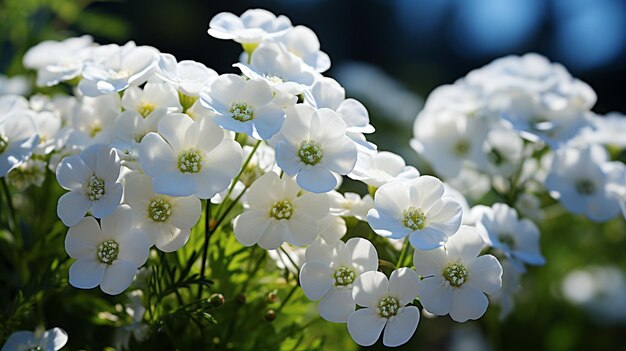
456	274
414	218
310	153
145	108
159	209
344	276
95	188
585	187
108	251
388	307
281	210
190	161
242	112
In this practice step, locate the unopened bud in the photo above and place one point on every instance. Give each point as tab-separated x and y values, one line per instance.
216	300
270	315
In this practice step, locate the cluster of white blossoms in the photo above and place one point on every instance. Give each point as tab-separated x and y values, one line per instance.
522	128
147	138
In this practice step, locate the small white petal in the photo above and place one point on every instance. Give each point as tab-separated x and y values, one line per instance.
365	326
401	327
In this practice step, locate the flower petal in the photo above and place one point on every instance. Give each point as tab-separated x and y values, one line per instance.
82	239
403	285
337	305
118	277
316	279
72	207
467	303
400	329
435	295
365	326
249	226
485	274
369	288
86	273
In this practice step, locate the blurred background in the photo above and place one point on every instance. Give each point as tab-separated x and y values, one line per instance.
390	54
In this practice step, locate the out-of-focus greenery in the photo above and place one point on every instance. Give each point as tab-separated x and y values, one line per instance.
23	23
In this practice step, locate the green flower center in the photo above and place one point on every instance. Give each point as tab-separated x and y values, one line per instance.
242	112
190	161
281	210
107	251
461	148
310	153
388	307
94	130
507	239
344	276
456	274
585	187
145	108
159	209
414	218
95	188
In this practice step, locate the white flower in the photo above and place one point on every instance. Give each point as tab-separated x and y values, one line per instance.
536	122
518	239
166	220
456	279
382	167
253	27
311	145
385	303
330	271
18	85
30	172
326	92
189	157
291	259
92	119
189	77
448	140
159	98
107	254
511	278
18	139
534	74
303	43
275	214
578	179
51	340
244	106
418	209
93	180
281	69
121	67
58	61
350	204
529	206
606	130
331	228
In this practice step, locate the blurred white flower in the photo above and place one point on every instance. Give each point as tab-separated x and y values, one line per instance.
517	239
118	68
18	139
50	340
253	27
578	179
377	169
58	61
350	204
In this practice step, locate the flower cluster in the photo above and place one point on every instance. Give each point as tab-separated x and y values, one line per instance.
521	128
147	142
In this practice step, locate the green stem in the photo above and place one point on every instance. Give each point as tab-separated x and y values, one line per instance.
243	169
13	224
403	253
207	237
284	302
